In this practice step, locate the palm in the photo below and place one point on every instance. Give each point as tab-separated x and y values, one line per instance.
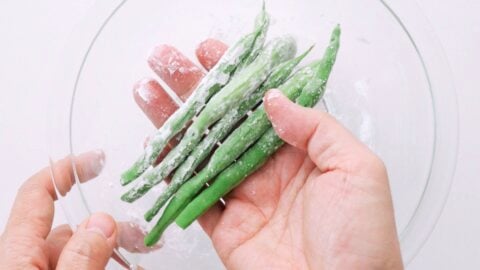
262	213
289	209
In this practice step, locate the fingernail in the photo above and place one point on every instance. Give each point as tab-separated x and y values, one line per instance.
101	224
271	95
143	89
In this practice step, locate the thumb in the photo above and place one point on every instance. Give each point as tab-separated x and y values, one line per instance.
327	142
91	245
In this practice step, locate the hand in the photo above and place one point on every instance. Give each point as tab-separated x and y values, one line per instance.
321	202
28	241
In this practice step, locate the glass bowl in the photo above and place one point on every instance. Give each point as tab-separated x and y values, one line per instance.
391	87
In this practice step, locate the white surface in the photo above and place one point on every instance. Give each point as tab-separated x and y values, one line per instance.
32	33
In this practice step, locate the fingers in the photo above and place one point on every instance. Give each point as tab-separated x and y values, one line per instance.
130	237
56	241
91	246
327	142
175	69
179	73
87	166
209	52
32	212
182	75
154	101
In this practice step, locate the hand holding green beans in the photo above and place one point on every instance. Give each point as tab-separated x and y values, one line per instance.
323	182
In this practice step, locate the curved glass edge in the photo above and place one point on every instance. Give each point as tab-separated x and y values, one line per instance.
80	40
444	160
430	49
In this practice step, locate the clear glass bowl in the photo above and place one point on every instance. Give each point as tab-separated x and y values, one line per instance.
391	86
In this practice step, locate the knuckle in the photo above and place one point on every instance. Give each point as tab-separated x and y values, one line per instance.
361	160
81	252
28	187
374	165
381	167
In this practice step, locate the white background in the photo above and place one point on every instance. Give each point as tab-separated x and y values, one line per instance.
32	33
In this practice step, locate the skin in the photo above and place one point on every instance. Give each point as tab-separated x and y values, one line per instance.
321	202
29	242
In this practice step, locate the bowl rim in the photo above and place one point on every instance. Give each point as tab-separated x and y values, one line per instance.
435	65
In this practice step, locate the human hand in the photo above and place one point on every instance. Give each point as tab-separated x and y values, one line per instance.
28	241
321	202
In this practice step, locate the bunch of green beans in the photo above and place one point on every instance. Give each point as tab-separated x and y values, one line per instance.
226	107
209	86
306	87
241	85
220	130
257	155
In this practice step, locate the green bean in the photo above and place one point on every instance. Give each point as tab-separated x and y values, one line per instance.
257	46
220	130
210	84
241	85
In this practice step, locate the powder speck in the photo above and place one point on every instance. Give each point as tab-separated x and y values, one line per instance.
361	87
